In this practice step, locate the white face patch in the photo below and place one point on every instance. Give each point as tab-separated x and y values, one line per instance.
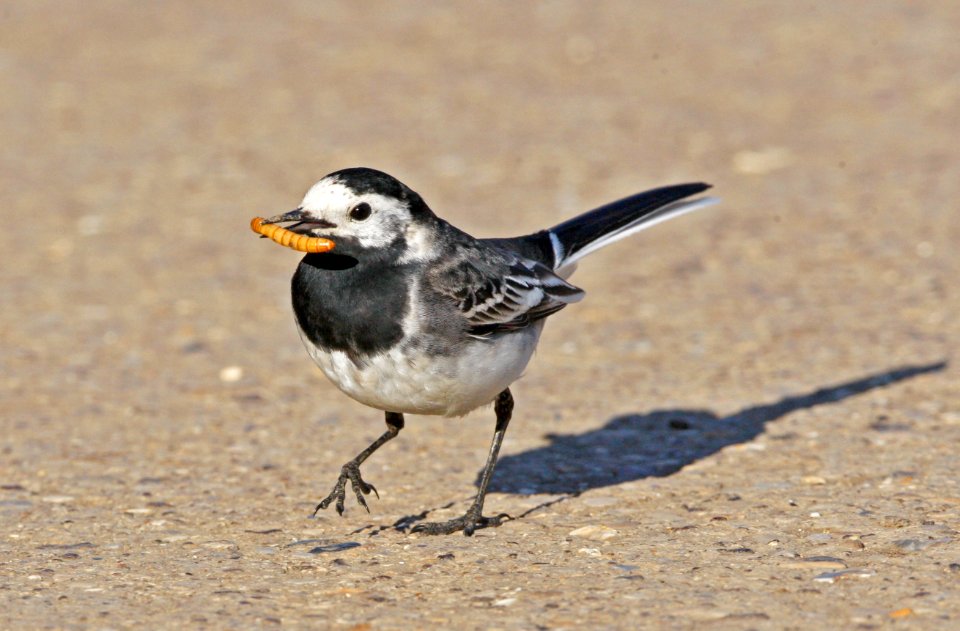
331	201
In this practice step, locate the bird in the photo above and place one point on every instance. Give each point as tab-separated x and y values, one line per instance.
408	314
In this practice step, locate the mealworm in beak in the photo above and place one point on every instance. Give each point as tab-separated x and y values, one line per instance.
290	239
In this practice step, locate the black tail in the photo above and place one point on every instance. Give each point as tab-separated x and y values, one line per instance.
563	245
581	231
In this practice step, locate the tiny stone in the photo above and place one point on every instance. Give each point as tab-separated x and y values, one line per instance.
66	546
504	602
762	161
924	249
218	545
816	562
56	499
593	552
832	577
173	538
90	225
595	533
813	480
916	545
231	374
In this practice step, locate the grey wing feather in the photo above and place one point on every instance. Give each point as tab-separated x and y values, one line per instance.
498	291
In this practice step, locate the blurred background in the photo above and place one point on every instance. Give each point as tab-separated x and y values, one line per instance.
140	138
145	331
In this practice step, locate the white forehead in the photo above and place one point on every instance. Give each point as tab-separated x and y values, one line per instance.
328	194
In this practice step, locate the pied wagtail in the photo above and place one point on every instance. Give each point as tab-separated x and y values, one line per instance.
410	315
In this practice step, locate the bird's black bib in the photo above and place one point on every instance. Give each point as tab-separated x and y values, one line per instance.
351	304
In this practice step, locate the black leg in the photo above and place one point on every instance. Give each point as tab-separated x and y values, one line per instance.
351	470
473	519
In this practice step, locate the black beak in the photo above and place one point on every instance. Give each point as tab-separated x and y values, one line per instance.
301	218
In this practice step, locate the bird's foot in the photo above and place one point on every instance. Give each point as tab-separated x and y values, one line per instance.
350	471
468	523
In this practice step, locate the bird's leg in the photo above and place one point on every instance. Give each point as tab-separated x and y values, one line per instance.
351	470
473	519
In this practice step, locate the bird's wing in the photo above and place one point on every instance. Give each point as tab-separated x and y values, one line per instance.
498	291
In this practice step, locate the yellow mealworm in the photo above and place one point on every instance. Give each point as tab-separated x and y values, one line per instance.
290	239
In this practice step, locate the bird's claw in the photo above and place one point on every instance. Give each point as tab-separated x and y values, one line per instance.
468	523
351	472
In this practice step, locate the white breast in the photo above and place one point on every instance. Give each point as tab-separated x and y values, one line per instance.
411	381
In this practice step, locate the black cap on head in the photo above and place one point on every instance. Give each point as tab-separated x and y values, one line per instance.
363	180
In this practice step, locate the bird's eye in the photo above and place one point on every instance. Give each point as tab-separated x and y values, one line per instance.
360	212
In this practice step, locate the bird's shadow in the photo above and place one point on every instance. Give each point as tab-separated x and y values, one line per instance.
656	444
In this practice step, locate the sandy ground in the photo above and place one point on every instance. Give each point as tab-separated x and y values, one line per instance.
746	424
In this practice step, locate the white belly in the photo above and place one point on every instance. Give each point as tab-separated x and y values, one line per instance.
414	382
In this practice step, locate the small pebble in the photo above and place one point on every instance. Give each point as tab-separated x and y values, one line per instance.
762	161
813	480
916	545
591	552
595	533
90	225
504	602
901	613
924	249
219	545
56	499
816	562
231	374
832	577
66	546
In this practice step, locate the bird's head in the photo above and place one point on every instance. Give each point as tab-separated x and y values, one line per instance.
363	208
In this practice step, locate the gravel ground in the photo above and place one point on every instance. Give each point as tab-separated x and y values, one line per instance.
750	422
